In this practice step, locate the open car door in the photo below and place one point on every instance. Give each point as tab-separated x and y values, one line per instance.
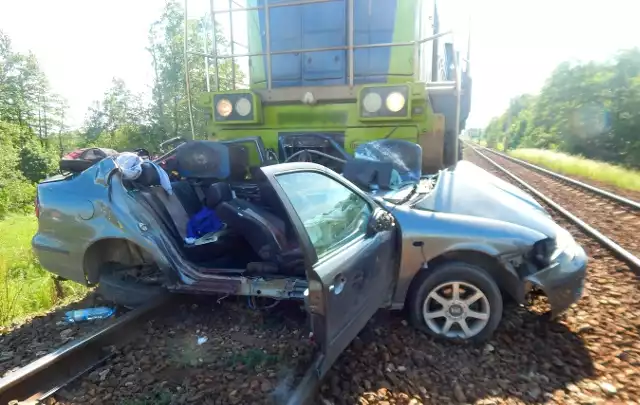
349	245
249	150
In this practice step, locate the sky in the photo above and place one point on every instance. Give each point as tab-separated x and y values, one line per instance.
82	44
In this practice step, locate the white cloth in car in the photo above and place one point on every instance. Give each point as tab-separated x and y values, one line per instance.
130	167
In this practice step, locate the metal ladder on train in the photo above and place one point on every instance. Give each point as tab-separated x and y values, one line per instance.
451	87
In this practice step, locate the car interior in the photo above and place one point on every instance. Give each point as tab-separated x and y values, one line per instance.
256	237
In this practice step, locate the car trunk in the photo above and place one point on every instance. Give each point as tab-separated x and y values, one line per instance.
57	177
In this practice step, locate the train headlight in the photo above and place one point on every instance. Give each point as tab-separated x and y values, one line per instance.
237	107
395	101
224	108
243	107
383	103
372	102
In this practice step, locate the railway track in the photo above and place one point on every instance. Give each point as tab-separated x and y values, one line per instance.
45	376
611	219
635	205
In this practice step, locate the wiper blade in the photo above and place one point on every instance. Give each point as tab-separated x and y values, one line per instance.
414	190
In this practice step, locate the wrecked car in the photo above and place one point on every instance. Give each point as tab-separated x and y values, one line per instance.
449	247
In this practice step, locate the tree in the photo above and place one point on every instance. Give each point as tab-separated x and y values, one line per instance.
29	114
166	37
590	109
123	115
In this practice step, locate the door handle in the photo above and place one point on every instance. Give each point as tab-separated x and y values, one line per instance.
338	284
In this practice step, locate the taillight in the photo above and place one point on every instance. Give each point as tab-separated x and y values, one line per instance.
36	204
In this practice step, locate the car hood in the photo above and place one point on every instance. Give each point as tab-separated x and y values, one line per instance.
469	190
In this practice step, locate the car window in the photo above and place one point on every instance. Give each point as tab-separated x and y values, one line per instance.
332	214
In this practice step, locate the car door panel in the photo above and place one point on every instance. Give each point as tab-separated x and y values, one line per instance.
348	282
355	283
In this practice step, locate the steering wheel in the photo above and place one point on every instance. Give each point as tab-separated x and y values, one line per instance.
303	156
306	155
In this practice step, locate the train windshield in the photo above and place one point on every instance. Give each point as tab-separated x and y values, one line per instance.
405	156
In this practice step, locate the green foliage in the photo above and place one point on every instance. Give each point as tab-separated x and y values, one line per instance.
33	136
590	109
36	161
8	154
16	193
581	167
122	121
17	196
29	113
169	110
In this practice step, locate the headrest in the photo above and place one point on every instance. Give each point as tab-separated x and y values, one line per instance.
217	193
365	173
149	175
203	160
239	159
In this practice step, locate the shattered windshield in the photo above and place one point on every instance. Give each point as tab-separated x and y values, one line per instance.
405	156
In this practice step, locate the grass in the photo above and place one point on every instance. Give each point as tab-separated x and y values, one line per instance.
578	166
26	289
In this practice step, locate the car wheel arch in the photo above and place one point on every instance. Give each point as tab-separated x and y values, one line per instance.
507	281
119	250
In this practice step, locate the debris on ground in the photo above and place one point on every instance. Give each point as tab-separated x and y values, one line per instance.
88	314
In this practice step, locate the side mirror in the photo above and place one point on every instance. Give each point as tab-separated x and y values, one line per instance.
380	221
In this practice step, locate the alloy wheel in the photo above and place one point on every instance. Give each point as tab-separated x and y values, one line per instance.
456	309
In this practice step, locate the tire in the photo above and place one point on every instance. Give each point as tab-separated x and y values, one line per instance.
470	279
126	293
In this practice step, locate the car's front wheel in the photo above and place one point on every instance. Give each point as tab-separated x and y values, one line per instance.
456	301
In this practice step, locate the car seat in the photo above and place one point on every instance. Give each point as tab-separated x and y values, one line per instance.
265	233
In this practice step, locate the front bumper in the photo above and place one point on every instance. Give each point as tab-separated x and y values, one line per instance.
563	281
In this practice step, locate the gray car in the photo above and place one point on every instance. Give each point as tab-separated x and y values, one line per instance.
450	247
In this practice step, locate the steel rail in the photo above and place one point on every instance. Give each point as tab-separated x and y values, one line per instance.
45	376
617	250
614	197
